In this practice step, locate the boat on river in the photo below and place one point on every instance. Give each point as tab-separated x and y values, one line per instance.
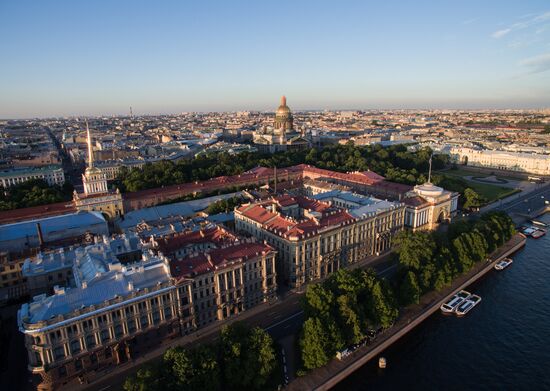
539	233
501	265
450	305
467	305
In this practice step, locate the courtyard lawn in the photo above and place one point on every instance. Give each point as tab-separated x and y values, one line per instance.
491	192
462	172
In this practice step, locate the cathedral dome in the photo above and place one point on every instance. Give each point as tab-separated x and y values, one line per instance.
283	118
283	108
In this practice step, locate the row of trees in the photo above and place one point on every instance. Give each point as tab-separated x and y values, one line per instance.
394	162
243	359
32	193
340	311
430	261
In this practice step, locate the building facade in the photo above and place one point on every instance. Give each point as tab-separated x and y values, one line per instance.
52	175
97	196
314	238
103	312
530	163
428	206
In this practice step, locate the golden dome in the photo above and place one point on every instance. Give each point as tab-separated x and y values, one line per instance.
283	108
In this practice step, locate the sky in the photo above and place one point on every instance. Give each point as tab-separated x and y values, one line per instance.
64	58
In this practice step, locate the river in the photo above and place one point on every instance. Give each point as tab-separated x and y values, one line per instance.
502	344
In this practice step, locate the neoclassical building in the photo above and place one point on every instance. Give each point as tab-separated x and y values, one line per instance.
316	238
97	196
428	206
281	136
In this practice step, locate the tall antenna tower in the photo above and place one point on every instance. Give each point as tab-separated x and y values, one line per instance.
131	113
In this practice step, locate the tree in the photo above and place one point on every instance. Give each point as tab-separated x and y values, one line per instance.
313	344
248	357
409	291
349	320
414	248
193	370
262	360
149	378
318	301
473	199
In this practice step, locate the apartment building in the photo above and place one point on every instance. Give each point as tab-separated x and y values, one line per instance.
52	174
228	280
104	312
109	314
531	163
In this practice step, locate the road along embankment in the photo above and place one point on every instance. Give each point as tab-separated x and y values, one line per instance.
328	376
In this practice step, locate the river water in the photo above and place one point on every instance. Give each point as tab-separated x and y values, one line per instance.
502	344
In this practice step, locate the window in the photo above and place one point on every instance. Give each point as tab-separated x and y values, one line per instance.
144	322
156	317
59	353
62	371
78	364
90	341
38	358
118	330
75	346
105	335
131	326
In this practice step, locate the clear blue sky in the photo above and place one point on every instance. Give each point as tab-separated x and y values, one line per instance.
100	57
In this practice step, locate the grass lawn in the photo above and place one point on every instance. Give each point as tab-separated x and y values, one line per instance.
492	192
461	172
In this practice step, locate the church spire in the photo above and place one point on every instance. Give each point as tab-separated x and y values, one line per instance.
90	151
430	171
283	100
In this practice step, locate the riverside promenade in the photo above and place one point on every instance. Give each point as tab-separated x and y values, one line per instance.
335	371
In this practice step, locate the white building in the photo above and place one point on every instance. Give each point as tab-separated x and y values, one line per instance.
52	174
502	160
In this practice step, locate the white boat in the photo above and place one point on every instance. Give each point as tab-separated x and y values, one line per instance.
455	301
501	265
467	305
529	231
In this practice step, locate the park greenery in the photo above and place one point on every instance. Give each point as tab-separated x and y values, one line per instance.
32	193
396	163
243	359
431	261
341	311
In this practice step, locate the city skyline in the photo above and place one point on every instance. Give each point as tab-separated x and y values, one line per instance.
100	60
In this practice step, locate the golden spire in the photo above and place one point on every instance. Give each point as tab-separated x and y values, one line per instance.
283	100
90	152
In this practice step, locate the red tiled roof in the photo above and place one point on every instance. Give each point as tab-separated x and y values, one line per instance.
311	204
257	213
59	208
285	200
216	235
217	259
